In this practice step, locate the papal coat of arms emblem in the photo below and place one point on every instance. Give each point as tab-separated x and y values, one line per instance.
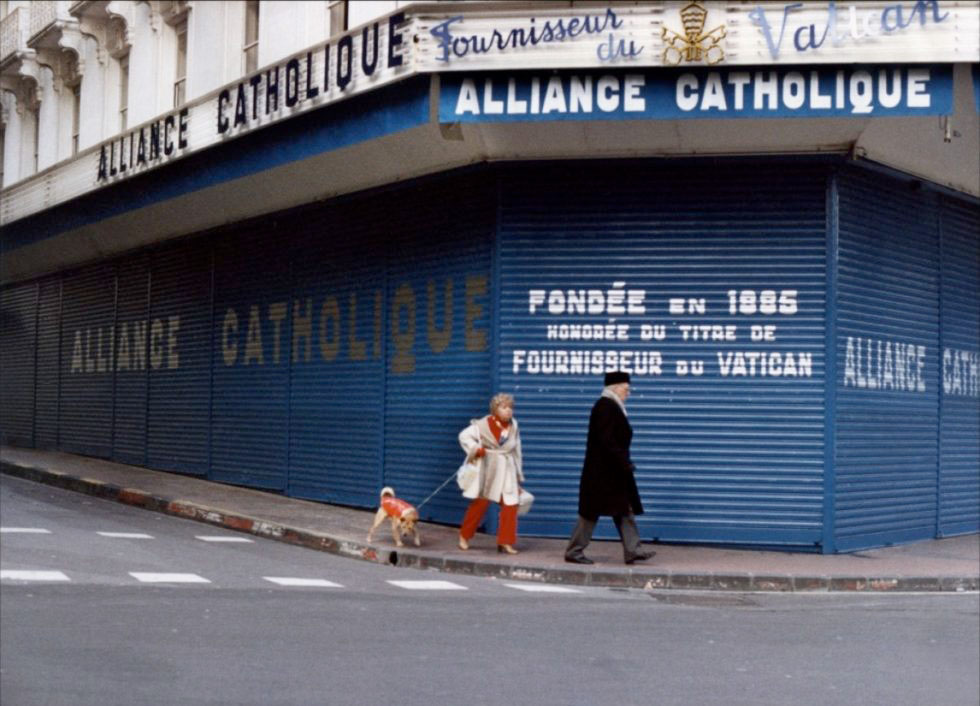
695	44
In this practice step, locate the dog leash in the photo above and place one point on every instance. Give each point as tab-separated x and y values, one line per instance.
433	493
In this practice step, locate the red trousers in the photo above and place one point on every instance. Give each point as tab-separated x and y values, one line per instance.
506	532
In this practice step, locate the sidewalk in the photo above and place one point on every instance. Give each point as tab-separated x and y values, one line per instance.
937	565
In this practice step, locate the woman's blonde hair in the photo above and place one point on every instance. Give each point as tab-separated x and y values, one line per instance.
499	399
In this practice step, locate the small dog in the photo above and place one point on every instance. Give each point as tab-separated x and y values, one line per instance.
404	518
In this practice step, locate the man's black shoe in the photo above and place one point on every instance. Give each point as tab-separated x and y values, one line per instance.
640	556
578	560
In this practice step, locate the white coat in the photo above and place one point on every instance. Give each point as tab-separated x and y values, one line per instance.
500	468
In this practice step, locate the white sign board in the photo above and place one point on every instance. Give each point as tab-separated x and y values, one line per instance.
686	33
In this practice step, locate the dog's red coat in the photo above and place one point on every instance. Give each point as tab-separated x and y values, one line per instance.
394	507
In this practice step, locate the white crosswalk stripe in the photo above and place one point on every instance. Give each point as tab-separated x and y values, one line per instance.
279	581
283	581
541	588
301	582
428	585
17	575
150	577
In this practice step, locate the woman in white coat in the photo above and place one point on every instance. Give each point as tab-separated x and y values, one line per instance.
494	444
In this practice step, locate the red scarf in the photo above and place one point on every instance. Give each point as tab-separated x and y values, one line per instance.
497	426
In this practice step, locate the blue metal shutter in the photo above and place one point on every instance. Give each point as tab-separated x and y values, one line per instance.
48	370
178	359
88	313
959	447
131	362
251	356
18	333
887	325
337	344
723	455
437	363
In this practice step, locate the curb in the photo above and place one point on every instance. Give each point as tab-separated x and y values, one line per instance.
199	513
624	578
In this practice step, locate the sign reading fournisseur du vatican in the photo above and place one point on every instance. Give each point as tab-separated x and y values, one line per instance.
687	33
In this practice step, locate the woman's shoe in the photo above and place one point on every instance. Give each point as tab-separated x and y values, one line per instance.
505	549
463	544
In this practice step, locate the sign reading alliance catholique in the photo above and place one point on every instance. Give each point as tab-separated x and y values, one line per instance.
811	92
719	52
353	63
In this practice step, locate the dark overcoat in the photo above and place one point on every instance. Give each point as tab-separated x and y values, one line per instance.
608	486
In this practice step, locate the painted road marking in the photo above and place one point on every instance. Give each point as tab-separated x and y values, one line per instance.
222	538
33	575
125	535
286	581
541	588
23	530
428	585
149	577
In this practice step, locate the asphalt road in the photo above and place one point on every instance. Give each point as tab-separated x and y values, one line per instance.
174	616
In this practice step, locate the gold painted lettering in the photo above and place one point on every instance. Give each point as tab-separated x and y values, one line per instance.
173	355
122	357
379	303
253	338
303	329
139	344
111	347
330	314
403	362
156	344
89	360
439	338
229	337
277	312
475	339
76	354
99	359
357	350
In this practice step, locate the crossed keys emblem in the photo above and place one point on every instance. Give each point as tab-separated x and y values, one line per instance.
695	44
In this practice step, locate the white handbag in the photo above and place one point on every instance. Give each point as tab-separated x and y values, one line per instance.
468	480
524	502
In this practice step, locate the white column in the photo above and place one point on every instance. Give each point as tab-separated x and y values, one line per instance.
166	52
144	83
48	136
361	11
13	139
208	50
92	101
28	129
289	27
64	100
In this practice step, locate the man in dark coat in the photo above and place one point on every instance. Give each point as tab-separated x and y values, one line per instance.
608	486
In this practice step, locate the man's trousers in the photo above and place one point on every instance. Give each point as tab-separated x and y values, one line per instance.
582	535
